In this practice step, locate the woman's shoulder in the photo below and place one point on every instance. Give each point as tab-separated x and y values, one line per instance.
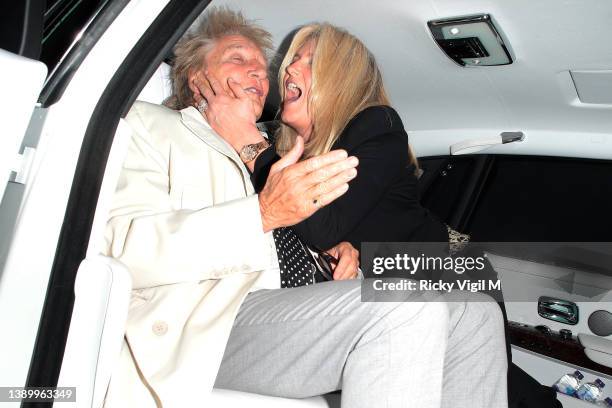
381	117
374	121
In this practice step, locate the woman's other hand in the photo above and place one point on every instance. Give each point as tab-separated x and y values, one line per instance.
348	261
230	114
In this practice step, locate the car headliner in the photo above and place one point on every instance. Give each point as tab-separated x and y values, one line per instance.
442	103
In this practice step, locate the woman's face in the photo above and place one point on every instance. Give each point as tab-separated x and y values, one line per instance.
297	82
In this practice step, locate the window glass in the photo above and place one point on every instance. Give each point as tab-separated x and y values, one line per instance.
63	21
544	199
497	198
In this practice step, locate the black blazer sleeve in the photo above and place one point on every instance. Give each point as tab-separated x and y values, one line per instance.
262	166
377	138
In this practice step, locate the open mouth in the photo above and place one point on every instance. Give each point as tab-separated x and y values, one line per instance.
292	92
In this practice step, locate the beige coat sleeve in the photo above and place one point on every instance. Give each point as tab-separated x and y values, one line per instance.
161	245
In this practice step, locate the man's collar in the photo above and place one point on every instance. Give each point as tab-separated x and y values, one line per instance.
200	127
195	122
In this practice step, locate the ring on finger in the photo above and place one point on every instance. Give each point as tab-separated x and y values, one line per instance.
202	106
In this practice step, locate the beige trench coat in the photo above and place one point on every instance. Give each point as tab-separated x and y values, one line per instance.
186	223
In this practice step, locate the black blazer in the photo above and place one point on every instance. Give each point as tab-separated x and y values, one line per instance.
382	203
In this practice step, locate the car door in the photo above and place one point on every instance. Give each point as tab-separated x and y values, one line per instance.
23	79
46	223
545	222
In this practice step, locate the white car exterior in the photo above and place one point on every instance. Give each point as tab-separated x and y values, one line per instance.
33	239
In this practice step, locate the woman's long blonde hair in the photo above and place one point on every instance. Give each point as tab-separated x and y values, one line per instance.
345	81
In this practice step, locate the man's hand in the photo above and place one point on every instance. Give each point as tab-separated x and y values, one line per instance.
294	191
230	114
348	261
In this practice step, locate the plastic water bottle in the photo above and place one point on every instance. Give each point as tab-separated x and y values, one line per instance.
607	403
590	391
569	383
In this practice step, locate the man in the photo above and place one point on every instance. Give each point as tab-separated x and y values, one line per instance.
197	242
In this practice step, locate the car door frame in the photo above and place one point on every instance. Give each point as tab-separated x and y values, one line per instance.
136	68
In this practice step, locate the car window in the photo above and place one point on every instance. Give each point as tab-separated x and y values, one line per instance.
521	198
62	22
540	199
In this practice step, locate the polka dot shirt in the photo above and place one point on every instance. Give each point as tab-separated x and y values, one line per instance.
296	268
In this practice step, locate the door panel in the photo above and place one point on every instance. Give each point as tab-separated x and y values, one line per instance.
526	202
22	78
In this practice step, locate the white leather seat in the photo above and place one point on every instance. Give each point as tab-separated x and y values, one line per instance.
101	299
102	293
159	86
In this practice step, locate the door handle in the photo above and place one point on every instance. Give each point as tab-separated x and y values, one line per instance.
558	310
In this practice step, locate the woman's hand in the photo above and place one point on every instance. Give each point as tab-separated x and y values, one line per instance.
348	261
230	114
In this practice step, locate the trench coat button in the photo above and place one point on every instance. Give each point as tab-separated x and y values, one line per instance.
160	328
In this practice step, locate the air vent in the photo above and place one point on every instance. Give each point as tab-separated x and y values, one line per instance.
470	41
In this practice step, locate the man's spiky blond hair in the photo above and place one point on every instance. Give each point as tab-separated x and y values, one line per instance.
190	51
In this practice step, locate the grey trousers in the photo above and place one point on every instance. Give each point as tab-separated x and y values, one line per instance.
312	340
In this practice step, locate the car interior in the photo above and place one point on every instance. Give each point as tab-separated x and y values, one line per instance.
494	197
540	202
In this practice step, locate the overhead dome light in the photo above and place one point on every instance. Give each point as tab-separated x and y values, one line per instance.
470	41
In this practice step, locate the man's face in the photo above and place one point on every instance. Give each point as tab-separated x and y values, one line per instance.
237	57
